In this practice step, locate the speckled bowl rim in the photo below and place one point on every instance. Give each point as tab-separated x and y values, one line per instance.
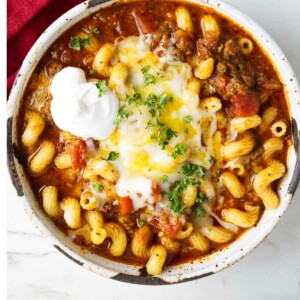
173	274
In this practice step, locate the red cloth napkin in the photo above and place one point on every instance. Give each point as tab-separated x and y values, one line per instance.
26	21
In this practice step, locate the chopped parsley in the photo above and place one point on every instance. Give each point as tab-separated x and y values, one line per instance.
113	155
165	179
148	78
96	30
187	119
149	125
162	101
145	70
142	223
201	197
174	195
160	123
162	143
97	187
156	103
151	100
92	72
77	42
165	134
212	160
101	86
186	130
199	209
191	169
135	98
179	150
122	114
152	111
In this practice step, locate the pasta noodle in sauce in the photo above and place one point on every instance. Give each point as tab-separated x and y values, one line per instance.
149	130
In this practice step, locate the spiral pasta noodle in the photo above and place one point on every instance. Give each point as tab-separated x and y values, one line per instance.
262	181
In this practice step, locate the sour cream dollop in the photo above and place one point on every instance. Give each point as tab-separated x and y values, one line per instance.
77	108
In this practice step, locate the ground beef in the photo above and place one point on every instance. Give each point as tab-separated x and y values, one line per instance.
231	50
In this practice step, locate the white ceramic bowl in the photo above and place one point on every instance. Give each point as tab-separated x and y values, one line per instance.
184	272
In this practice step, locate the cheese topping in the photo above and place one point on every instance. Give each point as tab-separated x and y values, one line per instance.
77	108
141	158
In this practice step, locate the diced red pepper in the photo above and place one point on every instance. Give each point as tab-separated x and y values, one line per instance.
126	205
78	153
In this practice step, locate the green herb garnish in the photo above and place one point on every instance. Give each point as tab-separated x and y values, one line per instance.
149	125
186	130
165	134
135	98
152	112
187	119
162	101
199	209
145	70
165	179
201	197
174	195
122	114
179	150
252	172
151	99
148	78
96	30
212	160
191	169
156	104
142	223
77	42
97	187
92	72
113	155
101	86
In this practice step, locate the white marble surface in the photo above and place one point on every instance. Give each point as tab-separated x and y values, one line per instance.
37	271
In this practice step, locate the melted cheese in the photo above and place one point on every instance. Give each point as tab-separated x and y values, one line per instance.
138	188
224	224
141	159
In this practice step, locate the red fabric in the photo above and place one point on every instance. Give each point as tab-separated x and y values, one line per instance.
26	21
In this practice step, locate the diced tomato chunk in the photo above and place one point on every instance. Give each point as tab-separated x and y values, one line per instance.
78	153
123	25
144	21
126	205
169	226
245	105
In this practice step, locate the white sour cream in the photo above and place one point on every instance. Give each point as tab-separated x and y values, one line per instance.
77	108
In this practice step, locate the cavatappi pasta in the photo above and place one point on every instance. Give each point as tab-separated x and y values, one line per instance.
154	133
